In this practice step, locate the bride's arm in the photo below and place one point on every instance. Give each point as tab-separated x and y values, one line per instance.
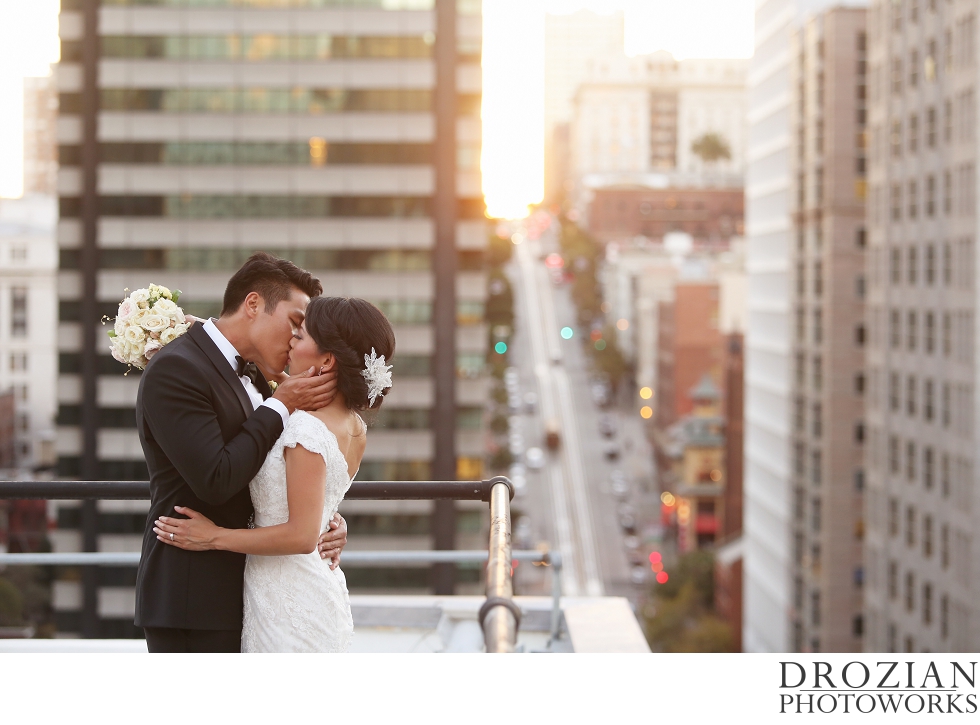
305	474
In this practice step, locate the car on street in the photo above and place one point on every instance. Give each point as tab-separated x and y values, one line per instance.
631	542
607	425
635	557
534	458
530	403
611	452
628	524
638	574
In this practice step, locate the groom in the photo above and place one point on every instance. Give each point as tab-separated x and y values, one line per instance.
206	419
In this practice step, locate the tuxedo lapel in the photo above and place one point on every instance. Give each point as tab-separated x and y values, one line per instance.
204	341
263	387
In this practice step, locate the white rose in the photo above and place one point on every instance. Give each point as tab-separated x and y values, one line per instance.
165	307
163	291
126	309
155	322
120	326
168	335
117	351
151	349
179	317
134	335
141	297
180	329
138	317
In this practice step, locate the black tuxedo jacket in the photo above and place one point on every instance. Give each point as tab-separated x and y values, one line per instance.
203	445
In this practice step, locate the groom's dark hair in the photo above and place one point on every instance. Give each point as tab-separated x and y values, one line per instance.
272	278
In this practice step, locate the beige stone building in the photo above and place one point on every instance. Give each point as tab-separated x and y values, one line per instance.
828	116
922	550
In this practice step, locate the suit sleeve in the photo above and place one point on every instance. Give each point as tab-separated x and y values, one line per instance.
180	415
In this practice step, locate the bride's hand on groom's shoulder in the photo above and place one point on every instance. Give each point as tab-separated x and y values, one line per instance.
307	390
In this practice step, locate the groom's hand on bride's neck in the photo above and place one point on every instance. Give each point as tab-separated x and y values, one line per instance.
307	390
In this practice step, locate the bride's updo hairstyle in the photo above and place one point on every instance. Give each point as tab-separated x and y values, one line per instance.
349	327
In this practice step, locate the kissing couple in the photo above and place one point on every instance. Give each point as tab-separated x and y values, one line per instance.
222	446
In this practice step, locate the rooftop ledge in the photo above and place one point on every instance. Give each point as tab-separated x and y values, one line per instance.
390	624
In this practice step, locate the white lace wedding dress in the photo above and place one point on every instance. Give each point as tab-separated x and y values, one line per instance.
296	603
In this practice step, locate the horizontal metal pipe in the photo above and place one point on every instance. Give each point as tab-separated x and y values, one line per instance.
132	558
359	490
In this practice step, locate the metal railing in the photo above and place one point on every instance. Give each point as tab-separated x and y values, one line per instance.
499	616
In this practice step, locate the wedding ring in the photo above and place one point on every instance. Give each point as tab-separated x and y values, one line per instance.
171	536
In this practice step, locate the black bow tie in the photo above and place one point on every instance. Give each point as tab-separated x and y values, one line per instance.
248	370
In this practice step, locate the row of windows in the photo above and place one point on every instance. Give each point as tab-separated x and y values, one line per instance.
905	266
255	206
315	152
467	418
927	595
264	46
203	259
267	100
930	466
913	534
956	328
817	327
958	195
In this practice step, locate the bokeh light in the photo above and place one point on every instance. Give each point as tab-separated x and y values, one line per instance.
655	557
662	577
623	324
500	348
600	344
646	412
646	393
657	567
667	498
566	333
715	475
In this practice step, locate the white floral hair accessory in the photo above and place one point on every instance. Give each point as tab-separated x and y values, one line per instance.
377	374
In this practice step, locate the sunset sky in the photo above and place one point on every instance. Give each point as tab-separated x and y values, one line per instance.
513	64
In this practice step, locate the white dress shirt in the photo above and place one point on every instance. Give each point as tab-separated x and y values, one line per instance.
230	353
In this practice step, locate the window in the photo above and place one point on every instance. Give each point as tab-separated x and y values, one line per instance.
927	404
910	389
893	454
930	271
931	127
944	546
815	608
947	264
799	414
859	433
18	311
928	464
896	75
18	361
818	278
896	139
913	268
893	394
911	332
909	591
913	69
893	517
947	192
944	616
927	536
944	474
859	384
930	332
817	372
946	405
18	253
895	329
817	420
913	200
930	205
815	514
817	326
910	461
892	580
816	466
896	266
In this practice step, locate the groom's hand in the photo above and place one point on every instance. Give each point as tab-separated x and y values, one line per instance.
333	540
307	391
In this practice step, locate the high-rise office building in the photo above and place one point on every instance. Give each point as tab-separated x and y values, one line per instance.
922	547
768	225
192	134
828	78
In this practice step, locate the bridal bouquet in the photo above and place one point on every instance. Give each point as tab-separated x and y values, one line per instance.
147	320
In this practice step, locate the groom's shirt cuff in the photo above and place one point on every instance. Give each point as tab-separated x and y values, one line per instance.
279	407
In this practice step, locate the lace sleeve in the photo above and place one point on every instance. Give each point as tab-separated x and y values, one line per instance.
305	430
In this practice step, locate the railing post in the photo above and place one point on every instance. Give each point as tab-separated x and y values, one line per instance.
499	615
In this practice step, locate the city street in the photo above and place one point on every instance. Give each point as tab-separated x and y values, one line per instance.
570	502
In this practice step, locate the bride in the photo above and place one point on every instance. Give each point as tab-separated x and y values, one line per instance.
294	601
